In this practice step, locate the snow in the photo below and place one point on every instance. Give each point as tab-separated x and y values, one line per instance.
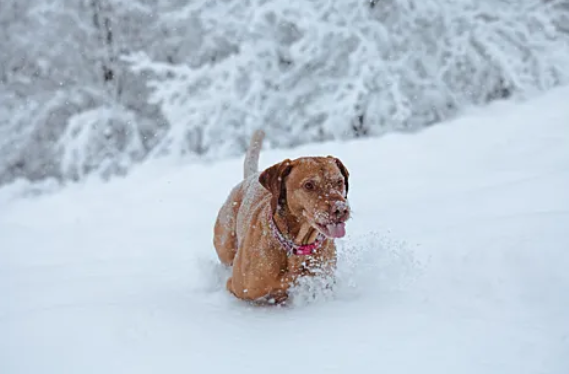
308	71
455	262
144	79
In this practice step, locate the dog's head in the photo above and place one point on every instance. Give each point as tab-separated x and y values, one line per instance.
311	188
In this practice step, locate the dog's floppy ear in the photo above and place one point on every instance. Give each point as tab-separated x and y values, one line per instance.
273	179
344	172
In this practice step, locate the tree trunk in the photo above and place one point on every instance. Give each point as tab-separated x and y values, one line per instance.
103	22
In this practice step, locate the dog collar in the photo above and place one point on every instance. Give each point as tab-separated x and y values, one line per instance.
292	248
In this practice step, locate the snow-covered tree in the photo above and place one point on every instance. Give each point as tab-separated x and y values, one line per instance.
62	61
311	70
93	86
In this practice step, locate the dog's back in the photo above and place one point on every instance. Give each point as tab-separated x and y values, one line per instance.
234	215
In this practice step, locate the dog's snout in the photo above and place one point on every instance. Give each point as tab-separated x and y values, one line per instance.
339	210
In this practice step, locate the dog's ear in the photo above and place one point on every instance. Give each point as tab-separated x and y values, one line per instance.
273	179
344	172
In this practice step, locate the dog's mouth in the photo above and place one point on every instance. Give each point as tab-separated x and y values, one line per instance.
332	230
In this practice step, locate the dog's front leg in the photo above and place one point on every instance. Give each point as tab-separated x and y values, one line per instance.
279	291
256	288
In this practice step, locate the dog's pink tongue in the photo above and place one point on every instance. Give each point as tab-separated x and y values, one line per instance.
336	230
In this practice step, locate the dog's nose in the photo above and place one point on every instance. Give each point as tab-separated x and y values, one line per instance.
339	210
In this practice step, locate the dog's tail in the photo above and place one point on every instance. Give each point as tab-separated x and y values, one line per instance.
251	165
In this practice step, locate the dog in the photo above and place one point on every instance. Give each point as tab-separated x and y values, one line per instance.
280	224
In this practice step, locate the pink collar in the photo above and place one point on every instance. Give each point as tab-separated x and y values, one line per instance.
291	247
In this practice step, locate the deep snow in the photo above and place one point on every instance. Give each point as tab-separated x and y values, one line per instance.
455	262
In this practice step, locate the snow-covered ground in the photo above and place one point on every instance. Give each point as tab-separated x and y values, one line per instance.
456	261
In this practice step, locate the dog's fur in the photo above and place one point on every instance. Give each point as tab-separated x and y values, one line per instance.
262	270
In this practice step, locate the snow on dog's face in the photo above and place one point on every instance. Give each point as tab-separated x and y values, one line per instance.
311	188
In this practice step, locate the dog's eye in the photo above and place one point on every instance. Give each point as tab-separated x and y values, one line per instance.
340	183
309	186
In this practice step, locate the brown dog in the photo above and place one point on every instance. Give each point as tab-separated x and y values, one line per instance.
281	223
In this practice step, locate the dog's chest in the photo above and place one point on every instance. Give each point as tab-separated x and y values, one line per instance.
310	264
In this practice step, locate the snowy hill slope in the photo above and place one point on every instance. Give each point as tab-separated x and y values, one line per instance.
455	262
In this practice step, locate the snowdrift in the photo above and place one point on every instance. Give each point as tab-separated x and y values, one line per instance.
455	262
